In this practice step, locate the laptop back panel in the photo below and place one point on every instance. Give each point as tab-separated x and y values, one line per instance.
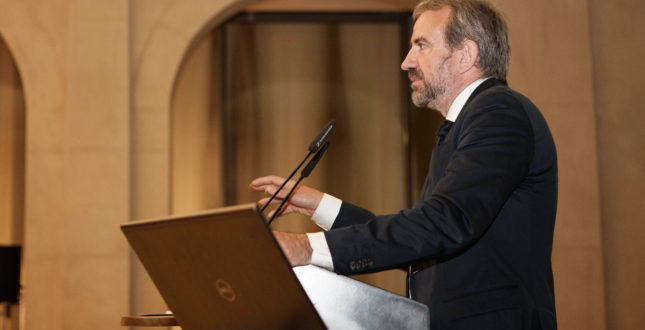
222	269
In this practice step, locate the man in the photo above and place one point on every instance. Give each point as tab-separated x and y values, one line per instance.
478	242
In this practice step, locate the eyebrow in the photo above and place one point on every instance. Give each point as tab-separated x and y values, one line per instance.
419	40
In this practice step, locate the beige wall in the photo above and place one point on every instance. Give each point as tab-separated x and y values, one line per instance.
73	60
98	76
618	49
551	64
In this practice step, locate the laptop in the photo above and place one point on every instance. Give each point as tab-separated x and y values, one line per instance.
222	269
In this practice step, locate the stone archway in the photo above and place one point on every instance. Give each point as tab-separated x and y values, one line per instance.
12	140
62	215
40	93
156	65
12	158
157	56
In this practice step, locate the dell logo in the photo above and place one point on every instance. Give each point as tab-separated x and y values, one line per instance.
225	290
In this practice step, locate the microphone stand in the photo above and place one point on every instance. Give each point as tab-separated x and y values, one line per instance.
285	183
313	147
305	173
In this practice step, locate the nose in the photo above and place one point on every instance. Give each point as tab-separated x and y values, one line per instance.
410	61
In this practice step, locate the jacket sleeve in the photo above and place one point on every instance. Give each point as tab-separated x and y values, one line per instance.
351	214
492	154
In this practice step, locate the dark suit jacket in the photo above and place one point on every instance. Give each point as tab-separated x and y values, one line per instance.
479	240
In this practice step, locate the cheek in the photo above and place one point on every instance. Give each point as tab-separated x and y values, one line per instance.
426	69
426	63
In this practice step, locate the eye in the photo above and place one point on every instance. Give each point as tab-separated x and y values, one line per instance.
423	46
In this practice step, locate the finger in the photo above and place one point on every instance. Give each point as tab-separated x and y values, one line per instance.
284	212
271	186
270	190
254	186
261	182
264	200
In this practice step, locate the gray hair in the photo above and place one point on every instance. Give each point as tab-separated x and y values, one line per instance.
475	20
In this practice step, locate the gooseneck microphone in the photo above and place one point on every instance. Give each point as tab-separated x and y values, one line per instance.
305	173
313	148
322	136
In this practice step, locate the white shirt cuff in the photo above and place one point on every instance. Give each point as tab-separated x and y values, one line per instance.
321	256
327	211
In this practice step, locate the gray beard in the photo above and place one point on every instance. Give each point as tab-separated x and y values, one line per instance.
427	96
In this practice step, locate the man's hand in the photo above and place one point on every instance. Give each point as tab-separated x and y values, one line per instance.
296	247
304	200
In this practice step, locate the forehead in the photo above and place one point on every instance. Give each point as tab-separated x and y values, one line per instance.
431	24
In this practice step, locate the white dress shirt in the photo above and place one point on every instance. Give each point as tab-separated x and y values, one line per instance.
329	206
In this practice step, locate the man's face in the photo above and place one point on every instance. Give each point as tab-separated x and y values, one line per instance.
429	61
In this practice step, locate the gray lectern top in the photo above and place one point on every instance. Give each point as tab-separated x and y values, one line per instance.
345	303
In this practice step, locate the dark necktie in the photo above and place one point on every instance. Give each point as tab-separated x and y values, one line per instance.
443	131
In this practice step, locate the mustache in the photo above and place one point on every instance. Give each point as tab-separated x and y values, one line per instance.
415	73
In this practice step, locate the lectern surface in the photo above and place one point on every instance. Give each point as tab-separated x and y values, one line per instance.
222	269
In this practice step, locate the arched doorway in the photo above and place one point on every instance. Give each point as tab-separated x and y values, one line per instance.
161	62
254	91
12	158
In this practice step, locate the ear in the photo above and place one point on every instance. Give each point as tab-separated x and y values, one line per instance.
468	55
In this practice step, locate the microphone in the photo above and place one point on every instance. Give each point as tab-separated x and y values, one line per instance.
322	136
305	173
313	147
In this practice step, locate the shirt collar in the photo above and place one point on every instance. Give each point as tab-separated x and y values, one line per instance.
460	100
